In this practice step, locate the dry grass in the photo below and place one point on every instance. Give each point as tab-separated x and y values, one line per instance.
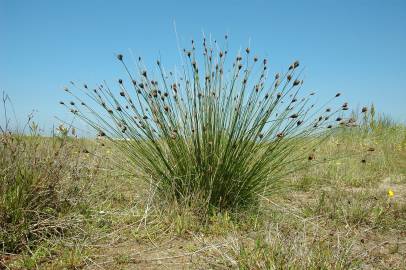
337	215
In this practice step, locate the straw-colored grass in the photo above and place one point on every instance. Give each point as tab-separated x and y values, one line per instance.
338	214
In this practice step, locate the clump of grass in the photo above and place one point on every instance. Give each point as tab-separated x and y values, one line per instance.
31	170
224	131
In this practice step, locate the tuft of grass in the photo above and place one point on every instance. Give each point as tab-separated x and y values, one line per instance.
34	193
218	131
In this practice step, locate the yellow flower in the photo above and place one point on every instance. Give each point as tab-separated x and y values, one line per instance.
391	193
108	151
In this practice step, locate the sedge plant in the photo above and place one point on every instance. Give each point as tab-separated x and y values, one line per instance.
225	131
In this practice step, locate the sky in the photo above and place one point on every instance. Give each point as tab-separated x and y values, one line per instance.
356	47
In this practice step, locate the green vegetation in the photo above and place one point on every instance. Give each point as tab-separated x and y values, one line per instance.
342	213
173	181
221	137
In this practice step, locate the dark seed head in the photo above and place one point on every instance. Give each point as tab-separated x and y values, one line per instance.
293	116
247	50
328	110
289	77
338	94
144	73
120	57
61	102
338	119
120	81
329	126
364	109
299	122
296	82
280	135
72	103
371	149
122	94
295	64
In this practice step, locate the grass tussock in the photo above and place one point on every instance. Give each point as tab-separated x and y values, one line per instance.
37	185
222	130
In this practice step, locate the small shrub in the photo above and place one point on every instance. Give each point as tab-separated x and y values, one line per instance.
223	132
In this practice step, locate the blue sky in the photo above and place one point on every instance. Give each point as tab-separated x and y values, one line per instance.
357	47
